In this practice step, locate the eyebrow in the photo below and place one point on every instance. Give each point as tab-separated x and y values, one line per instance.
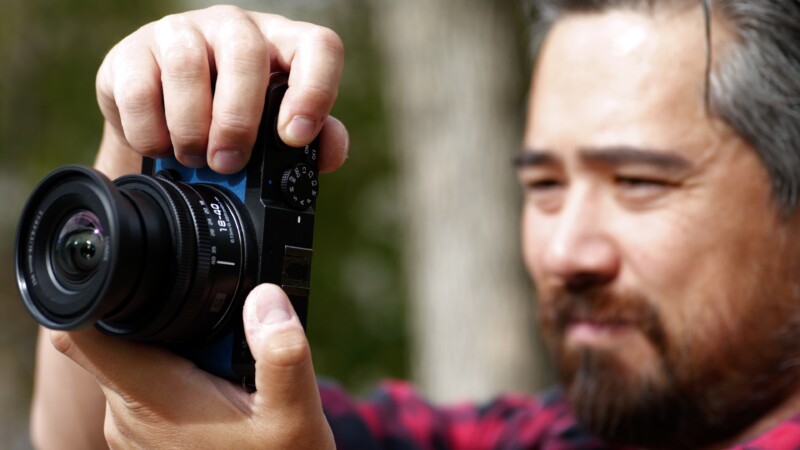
616	156
531	157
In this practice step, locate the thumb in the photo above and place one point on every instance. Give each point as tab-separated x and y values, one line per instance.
285	380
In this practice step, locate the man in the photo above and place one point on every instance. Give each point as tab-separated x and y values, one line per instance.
660	225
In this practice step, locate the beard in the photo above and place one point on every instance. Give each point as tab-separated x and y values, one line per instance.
701	387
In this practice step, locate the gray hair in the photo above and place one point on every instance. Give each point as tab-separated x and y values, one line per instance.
756	87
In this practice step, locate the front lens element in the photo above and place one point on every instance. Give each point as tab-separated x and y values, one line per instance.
78	249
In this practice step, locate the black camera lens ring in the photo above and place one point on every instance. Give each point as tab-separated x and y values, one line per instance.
152	311
228	262
194	300
62	193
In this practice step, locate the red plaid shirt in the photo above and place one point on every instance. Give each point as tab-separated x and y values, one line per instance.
395	417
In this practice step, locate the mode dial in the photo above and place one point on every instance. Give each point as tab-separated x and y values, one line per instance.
299	186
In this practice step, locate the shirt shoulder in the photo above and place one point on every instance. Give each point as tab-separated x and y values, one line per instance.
396	416
785	435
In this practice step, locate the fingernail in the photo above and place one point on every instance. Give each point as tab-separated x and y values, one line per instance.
193	161
301	129
271	307
228	161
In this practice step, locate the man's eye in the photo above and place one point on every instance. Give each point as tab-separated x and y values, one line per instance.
543	192
543	184
642	191
535	180
640	182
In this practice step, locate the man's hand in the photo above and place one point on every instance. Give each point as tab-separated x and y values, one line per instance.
155	90
194	85
155	399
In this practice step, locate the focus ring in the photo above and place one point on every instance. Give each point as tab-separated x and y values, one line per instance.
184	240
198	268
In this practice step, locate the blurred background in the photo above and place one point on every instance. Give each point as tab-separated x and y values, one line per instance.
417	272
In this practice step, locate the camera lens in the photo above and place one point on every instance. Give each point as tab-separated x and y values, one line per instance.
78	249
147	258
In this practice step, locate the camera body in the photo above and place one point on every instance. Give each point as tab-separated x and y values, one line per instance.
170	255
277	189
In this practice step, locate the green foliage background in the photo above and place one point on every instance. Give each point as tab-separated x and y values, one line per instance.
49	54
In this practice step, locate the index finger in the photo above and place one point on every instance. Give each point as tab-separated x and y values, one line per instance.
314	57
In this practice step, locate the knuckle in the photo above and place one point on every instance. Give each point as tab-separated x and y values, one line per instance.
225	10
169	22
288	348
328	40
234	126
134	95
181	49
189	139
247	57
181	61
62	342
244	50
318	97
135	102
103	85
147	144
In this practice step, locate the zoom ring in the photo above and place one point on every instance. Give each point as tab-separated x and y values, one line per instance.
197	270
183	240
203	264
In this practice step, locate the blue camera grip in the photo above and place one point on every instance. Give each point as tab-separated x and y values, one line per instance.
235	183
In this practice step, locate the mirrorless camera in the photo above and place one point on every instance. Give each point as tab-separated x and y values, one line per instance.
169	256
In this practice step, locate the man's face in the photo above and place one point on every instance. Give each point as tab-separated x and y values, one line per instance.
665	274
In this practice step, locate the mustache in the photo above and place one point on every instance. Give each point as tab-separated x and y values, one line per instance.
604	307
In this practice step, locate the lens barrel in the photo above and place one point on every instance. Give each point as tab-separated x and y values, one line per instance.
147	258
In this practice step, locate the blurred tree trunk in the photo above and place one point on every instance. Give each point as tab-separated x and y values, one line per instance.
456	106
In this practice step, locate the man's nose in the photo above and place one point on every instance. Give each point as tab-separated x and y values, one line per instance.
583	252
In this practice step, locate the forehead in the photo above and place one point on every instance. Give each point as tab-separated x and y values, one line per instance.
621	77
